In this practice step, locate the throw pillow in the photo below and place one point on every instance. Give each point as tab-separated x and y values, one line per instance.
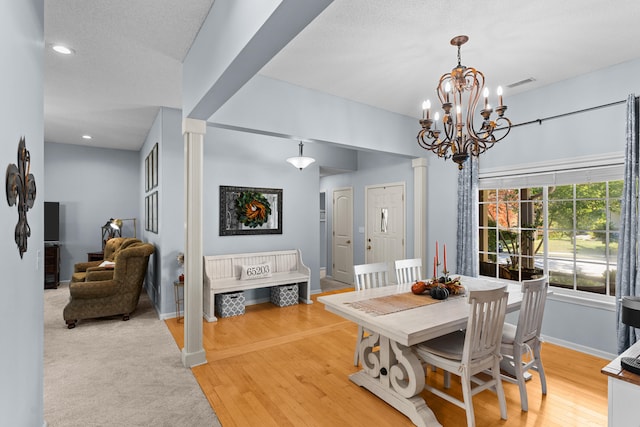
256	271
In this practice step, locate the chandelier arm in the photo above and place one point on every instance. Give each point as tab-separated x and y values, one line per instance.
506	128
477	85
442	94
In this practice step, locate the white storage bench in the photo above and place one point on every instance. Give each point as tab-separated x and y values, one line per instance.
222	273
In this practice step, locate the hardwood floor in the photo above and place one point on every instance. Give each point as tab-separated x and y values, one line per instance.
289	366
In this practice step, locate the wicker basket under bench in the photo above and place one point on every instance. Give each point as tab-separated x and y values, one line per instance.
222	274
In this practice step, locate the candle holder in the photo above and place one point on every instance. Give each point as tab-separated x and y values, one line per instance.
453	285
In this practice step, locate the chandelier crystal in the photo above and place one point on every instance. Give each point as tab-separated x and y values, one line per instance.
457	137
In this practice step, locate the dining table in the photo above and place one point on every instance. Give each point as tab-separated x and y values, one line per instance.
396	320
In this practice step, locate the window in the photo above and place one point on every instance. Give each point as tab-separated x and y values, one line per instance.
569	231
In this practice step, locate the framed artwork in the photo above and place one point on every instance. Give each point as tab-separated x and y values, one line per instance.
249	210
154	212
151	169
154	172
147	213
146	173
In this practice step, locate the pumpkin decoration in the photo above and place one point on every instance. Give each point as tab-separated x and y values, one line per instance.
419	287
439	292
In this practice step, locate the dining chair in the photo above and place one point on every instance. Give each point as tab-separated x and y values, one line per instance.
368	276
524	338
467	353
408	270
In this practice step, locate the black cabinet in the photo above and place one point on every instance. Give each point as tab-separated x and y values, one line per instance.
51	266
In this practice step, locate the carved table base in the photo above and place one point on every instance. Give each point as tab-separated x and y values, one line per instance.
395	375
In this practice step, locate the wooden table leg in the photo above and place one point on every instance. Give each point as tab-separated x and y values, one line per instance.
383	374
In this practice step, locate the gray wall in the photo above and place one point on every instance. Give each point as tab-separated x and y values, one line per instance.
21	109
249	160
92	185
164	269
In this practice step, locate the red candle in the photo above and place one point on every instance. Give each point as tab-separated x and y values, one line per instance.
434	266
436	252
445	256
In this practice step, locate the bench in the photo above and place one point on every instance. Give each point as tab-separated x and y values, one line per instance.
222	274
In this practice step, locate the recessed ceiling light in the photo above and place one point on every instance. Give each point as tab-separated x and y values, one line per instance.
86	136
64	50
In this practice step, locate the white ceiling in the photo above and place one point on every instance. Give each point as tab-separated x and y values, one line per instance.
385	53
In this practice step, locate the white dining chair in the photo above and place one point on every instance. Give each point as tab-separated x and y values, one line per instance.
524	338
368	276
408	270
467	353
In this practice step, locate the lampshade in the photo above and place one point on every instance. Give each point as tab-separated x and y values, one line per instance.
301	161
631	311
116	224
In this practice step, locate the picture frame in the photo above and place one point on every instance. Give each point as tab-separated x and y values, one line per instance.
250	210
147	213
154	171
146	173
154	212
151	169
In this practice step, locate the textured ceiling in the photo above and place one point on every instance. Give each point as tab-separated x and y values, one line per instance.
385	53
128	63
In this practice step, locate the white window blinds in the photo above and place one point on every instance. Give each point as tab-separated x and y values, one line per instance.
559	174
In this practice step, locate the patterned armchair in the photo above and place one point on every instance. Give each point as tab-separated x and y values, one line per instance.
116	296
110	251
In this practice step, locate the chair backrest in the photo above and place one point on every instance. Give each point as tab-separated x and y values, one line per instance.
116	244
130	271
484	327
408	270
531	309
371	275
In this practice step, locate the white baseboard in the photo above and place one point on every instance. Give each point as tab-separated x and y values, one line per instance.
580	348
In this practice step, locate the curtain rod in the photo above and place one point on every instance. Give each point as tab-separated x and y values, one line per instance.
557	116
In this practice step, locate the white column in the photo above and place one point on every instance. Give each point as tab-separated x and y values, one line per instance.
193	131
420	210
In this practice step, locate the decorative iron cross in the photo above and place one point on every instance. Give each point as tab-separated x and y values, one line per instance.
21	190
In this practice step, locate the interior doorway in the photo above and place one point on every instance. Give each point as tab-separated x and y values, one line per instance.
342	241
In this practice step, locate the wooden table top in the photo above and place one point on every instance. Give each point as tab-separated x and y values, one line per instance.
415	325
613	369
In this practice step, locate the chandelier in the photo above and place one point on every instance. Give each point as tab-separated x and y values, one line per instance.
457	136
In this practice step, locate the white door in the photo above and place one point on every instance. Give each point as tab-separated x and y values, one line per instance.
342	264
385	224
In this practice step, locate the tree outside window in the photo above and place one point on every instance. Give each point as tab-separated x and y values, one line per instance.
581	234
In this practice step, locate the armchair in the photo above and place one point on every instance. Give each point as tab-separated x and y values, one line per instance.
116	296
110	251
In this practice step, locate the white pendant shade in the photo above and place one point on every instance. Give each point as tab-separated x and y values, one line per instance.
301	161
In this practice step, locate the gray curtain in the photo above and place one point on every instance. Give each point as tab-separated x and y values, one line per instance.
467	234
627	272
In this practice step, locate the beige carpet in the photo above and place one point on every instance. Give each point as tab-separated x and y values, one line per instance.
108	372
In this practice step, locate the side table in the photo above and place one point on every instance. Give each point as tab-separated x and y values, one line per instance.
95	256
179	297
